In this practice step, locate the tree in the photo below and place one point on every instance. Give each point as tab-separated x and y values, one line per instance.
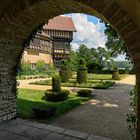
84	52
72	60
95	58
115	44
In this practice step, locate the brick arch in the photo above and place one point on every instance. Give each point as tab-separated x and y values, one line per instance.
22	18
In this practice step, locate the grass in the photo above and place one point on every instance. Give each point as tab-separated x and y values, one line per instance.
94	81
102	76
100	84
27	99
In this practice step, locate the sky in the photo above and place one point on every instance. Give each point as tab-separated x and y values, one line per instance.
90	31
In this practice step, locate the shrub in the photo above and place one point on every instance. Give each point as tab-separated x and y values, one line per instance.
127	71
116	75
41	67
84	93
70	73
57	96
104	85
132	71
131	117
81	72
25	69
56	83
94	68
64	71
43	112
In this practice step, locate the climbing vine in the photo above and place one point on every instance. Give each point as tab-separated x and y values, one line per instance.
131	117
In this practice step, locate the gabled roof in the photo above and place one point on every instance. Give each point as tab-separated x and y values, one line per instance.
60	23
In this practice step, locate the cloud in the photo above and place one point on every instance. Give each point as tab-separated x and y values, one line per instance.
88	32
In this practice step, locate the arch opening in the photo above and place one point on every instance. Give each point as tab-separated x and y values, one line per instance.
17	29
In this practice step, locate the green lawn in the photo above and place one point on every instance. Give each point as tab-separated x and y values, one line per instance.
100	84
102	76
94	81
27	99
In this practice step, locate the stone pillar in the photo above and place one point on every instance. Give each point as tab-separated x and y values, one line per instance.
7	81
138	110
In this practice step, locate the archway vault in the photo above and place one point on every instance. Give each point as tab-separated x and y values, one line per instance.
19	19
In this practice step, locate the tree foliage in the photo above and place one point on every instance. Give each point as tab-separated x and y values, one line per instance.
115	44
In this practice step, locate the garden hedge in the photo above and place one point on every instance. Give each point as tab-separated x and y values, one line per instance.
56	83
57	96
81	72
84	93
116	75
64	71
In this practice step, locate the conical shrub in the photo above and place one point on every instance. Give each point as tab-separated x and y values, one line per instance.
64	71
116	75
82	71
56	83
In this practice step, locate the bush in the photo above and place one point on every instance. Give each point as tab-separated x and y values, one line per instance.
56	83
81	72
64	71
127	71
132	71
43	112
131	117
57	96
104	85
25	69
84	93
41	67
116	75
107	71
70	74
94	68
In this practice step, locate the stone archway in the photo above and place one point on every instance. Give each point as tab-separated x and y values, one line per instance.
20	18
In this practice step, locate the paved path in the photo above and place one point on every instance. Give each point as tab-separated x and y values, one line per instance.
25	130
103	115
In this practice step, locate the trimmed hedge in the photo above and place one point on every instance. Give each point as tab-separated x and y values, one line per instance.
56	96
84	93
56	83
43	111
127	71
116	75
64	71
104	85
81	72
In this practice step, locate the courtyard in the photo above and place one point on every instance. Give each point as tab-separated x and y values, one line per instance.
82	107
107	109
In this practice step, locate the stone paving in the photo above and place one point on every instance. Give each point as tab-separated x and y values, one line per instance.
26	130
105	114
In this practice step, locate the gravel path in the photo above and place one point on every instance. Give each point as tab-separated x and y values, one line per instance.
103	115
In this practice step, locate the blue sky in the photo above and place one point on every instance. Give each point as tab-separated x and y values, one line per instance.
90	31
